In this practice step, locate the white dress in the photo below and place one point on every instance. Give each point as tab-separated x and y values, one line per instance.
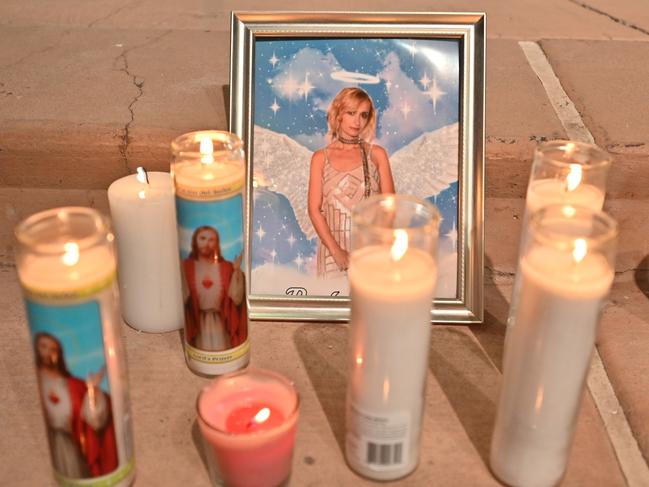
341	190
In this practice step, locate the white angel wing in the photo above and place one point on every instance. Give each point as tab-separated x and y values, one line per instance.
428	164
282	165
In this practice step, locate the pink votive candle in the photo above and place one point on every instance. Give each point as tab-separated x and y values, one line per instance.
249	419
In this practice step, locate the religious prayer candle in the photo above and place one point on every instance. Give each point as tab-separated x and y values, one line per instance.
66	266
563	172
209	175
392	276
144	220
248	420
566	271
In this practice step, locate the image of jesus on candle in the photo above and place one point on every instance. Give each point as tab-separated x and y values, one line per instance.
77	412
215	312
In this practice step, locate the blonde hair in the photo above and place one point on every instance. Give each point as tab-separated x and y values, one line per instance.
346	98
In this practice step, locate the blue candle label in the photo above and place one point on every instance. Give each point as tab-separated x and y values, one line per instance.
82	385
378	441
210	239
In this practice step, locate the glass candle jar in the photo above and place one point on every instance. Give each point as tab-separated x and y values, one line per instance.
209	175
563	172
392	275
565	272
248	420
66	266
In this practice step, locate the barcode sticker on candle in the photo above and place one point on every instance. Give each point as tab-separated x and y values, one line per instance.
379	441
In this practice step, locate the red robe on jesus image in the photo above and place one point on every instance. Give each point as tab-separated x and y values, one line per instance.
98	447
80	427
78	414
232	315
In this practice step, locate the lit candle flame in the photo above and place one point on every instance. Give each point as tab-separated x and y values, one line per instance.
400	244
538	404
386	389
580	250
568	211
359	360
261	416
71	255
574	177
569	148
207	150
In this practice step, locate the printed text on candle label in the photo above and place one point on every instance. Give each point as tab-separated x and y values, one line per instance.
379	441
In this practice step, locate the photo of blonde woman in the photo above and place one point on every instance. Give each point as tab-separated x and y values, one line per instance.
343	173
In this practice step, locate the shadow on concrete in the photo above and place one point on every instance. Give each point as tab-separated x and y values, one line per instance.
202	448
491	333
323	350
641	276
470	382
226	102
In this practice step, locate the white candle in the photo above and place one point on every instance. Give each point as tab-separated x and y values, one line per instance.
390	329
66	267
212	179
144	220
544	192
546	364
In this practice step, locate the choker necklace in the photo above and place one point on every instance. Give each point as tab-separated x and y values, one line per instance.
366	173
355	140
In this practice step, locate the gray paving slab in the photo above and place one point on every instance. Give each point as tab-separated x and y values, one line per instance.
524	19
629	13
622	342
96	103
607	81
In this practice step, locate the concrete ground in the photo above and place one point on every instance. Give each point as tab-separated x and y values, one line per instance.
91	90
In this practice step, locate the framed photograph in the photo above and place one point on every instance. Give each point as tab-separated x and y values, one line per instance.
334	107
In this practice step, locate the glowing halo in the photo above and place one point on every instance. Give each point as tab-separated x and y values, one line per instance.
349	77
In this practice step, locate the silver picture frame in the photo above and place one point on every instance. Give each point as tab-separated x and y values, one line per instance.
252	31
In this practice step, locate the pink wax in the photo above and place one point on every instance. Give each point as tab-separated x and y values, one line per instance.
249	418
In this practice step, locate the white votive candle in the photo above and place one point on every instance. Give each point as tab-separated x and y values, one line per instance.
564	172
392	289
144	220
548	355
544	192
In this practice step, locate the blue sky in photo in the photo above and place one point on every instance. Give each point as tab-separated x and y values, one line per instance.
223	215
78	328
415	77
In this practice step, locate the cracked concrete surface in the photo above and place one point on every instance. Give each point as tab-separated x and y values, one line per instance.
113	13
618	20
139	84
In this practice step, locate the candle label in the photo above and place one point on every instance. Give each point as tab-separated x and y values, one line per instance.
210	239
207	194
78	373
378	441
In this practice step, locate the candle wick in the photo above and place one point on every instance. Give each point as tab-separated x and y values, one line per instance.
141	172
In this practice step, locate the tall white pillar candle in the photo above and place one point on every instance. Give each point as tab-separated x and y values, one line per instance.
66	267
144	220
392	288
563	283
563	172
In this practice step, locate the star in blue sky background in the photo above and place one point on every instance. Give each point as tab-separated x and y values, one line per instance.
414	84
